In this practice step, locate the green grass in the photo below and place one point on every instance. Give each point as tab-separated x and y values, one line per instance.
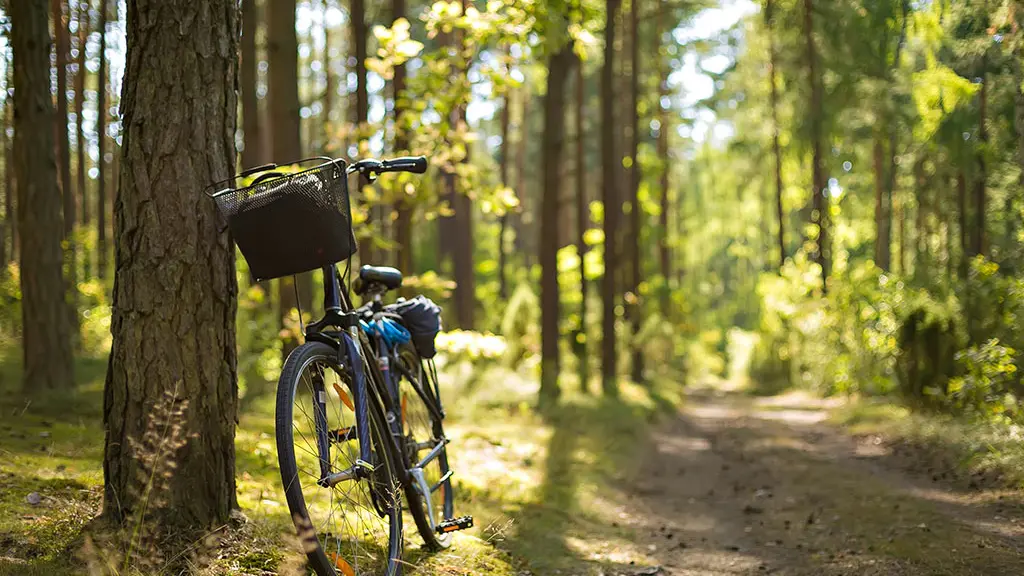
545	490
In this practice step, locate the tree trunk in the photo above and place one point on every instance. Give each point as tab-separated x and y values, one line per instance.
665	241
60	27
780	214
403	206
819	198
10	182
610	198
357	13
331	82
462	256
252	153
636	219
5	221
978	237
582	225
963	221
552	140
901	216
102	249
519	224
503	220
46	329
80	75
175	293
283	100
883	220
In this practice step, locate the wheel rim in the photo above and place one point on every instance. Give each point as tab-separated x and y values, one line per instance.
345	518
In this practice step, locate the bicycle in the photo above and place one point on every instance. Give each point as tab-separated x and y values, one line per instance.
363	385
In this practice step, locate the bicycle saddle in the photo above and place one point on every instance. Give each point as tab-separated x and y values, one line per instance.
386	276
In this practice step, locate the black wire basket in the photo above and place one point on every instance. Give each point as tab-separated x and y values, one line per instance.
287	223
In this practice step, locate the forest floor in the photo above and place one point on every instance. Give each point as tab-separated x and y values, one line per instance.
713	481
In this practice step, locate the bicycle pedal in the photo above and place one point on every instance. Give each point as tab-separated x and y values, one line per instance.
454	524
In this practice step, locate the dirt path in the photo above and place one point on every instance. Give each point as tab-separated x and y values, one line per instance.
743	486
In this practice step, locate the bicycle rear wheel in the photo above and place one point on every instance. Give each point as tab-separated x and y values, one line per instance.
429	490
353	528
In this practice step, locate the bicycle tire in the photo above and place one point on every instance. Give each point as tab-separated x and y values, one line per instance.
300	359
424	518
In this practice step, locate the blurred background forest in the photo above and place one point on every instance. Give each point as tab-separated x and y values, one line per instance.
620	191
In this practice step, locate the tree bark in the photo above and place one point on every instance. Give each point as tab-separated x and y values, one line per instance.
175	293
819	198
357	14
252	153
102	249
979	240
552	140
60	27
462	254
519	224
961	210
883	220
610	199
403	206
80	75
582	225
503	220
283	101
780	214
46	329
636	218
10	182
5	221
665	241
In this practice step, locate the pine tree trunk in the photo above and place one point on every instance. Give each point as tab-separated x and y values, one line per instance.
175	292
283	100
462	255
610	198
636	212
819	201
665	241
80	75
252	153
582	225
552	141
979	241
357	13
60	27
5	221
102	249
330	83
404	208
883	220
519	224
503	220
10	181
780	213
46	328
961	210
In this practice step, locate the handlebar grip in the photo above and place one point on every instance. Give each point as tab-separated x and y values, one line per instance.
256	169
414	164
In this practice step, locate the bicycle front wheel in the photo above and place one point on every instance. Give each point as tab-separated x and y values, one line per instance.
353	527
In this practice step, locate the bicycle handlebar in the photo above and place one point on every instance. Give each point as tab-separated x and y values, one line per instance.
414	164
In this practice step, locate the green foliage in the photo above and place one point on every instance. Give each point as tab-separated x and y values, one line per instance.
990	386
